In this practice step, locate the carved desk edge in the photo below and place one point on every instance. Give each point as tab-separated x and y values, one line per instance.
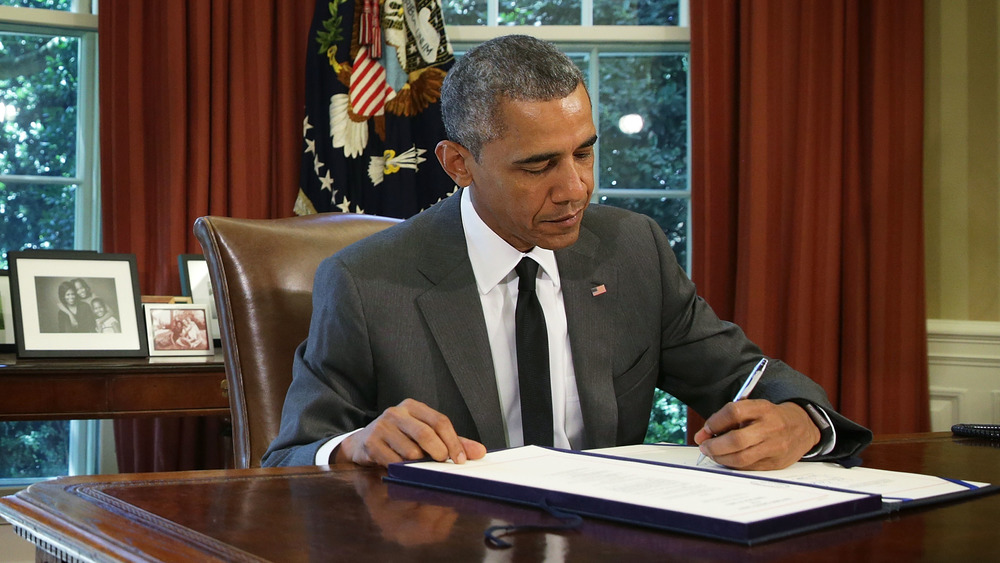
36	517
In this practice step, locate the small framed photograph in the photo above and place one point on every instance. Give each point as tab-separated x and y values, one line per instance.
6	314
69	303
178	330
196	284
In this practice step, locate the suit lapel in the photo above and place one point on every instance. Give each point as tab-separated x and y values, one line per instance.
453	312
589	294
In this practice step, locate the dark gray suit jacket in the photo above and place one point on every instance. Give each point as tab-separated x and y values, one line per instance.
398	315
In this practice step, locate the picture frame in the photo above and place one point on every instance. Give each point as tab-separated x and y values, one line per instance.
195	283
49	289
166	299
178	329
6	315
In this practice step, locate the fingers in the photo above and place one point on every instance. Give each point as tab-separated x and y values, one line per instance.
731	417
410	430
757	434
473	449
704	434
721	437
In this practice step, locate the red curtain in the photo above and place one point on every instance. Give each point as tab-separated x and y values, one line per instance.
201	110
807	192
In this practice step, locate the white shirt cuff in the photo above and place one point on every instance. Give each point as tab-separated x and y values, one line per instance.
824	448
326	450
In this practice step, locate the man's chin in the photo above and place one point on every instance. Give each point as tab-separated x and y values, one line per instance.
560	241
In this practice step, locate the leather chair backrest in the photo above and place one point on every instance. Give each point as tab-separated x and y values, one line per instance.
262	274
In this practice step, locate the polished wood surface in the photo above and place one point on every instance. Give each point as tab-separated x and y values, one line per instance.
348	513
81	388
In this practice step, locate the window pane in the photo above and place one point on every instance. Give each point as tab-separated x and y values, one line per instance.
464	12
563	12
636	12
643	121
539	12
38	99
582	61
671	214
36	216
64	5
34	449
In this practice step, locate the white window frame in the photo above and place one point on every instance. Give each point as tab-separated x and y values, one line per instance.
88	453
81	24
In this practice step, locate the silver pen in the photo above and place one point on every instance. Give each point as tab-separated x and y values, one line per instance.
744	392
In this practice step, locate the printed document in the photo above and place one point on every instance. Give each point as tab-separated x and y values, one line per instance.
894	486
712	494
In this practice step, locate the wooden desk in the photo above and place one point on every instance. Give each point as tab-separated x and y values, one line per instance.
73	388
347	513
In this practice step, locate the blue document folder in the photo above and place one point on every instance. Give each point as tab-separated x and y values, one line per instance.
745	508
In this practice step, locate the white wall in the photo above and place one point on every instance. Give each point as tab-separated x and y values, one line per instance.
964	372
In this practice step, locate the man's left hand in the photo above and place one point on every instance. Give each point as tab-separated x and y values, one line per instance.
757	434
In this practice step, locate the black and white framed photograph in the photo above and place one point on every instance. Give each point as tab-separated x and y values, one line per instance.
6	314
80	304
178	330
196	284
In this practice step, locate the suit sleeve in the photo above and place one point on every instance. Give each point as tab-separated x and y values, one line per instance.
705	360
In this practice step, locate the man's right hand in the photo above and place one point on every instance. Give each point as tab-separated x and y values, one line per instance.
410	430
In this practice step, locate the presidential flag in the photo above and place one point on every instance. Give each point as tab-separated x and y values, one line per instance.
373	112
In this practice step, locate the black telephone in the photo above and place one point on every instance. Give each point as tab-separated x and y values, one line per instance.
988	431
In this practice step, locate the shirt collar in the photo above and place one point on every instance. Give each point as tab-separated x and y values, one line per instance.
493	258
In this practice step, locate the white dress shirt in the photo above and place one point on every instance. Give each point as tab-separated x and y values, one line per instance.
493	262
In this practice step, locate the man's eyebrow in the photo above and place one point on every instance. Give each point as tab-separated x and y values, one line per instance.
550	155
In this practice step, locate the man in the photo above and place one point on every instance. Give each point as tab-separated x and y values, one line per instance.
411	348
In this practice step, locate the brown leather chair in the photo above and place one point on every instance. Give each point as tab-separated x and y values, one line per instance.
262	273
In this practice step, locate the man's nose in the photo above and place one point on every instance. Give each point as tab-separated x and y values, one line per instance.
573	182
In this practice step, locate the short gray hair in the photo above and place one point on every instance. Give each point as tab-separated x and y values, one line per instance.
515	67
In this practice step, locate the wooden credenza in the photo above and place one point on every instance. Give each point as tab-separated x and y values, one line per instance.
89	388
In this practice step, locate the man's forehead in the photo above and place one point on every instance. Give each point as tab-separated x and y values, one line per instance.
535	122
578	98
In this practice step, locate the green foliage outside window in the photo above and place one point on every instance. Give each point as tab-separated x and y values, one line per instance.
563	12
63	5
667	420
38	93
38	78
35	216
33	449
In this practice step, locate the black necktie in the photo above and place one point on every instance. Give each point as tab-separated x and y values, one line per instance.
532	341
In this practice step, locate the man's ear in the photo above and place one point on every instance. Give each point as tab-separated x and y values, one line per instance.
453	158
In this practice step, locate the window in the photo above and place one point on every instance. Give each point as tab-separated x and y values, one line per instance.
48	185
634	55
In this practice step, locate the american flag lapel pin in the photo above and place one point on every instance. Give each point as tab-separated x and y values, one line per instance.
598	290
